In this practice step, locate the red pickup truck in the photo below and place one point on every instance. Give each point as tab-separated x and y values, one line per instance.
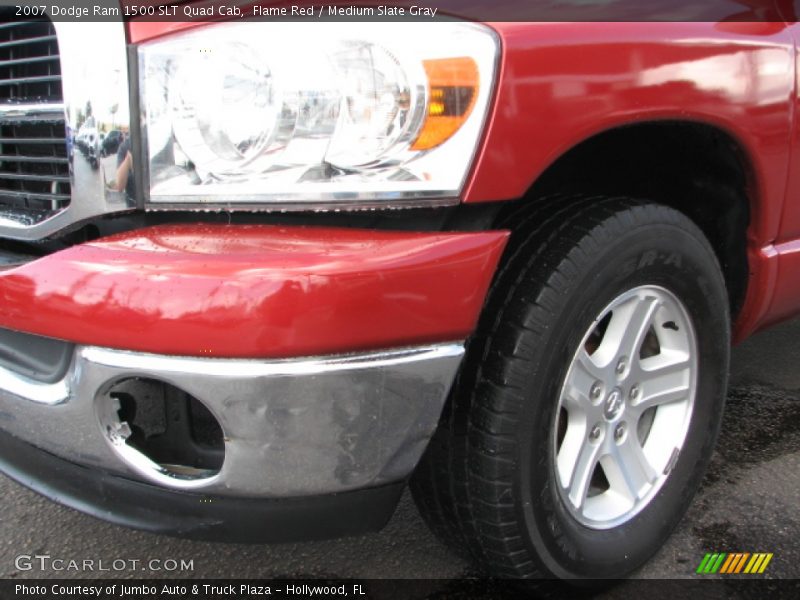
501	261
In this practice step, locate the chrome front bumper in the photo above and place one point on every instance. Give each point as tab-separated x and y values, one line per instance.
292	428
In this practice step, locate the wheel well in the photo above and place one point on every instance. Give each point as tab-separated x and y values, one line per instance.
694	168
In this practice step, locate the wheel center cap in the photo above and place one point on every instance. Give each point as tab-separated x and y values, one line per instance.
614	404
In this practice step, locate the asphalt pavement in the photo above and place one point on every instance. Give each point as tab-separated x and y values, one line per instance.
748	503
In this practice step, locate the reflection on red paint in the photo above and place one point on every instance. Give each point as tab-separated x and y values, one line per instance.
255	291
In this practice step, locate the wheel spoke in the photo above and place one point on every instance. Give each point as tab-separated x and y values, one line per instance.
580	474
587	363
582	376
627	329
628	469
665	378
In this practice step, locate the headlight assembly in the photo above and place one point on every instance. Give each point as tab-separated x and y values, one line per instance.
292	113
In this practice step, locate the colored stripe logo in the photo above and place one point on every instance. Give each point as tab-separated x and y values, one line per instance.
734	563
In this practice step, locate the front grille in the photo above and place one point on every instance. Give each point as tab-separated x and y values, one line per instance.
29	66
34	166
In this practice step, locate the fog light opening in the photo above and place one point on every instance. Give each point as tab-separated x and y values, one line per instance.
176	435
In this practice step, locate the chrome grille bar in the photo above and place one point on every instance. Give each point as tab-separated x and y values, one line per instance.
33	40
25	80
33	176
18	140
23	61
40	159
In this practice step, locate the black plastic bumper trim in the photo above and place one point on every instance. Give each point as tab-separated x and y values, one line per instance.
195	516
35	357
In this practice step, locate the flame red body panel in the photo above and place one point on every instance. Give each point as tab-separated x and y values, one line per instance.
255	291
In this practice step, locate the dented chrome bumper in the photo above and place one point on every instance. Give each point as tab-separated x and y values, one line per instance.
292	428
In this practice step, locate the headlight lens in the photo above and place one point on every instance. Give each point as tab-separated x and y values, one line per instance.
294	113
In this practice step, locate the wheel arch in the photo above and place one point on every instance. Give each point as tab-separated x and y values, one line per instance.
698	168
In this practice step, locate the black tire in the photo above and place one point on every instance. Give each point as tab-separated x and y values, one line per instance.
487	483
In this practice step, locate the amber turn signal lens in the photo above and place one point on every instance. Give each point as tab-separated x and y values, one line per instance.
452	90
